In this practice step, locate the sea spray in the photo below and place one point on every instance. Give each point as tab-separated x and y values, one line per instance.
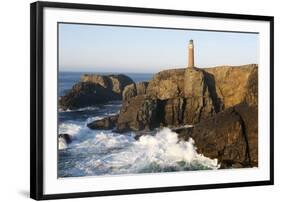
70	129
107	153
162	152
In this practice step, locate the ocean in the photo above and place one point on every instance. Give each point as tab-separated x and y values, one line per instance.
103	152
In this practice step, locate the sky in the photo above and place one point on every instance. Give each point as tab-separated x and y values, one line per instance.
97	48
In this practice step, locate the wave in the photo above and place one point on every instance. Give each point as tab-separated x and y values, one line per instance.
69	128
62	143
80	109
163	152
96	118
111	153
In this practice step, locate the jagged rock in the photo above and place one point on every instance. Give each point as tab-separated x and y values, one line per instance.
116	83
106	123
173	111
194	104
199	103
94	89
166	84
133	90
145	112
184	111
188	96
102	80
230	136
138	113
66	137
85	94
141	87
227	85
198	109
129	92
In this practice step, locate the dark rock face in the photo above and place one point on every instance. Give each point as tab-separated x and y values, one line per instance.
138	113
173	111
249	115
196	103
106	123
66	137
85	94
198	109
94	89
116	83
185	111
133	90
230	136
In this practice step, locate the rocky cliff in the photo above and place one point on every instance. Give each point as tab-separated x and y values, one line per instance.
228	85
231	136
95	89
221	103
187	96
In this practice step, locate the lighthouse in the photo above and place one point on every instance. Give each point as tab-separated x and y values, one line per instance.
190	54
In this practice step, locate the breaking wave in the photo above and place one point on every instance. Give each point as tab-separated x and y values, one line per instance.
105	152
79	109
69	128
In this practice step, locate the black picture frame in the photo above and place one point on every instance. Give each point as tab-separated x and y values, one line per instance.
36	98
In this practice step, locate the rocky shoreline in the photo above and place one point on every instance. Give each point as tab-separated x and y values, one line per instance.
221	103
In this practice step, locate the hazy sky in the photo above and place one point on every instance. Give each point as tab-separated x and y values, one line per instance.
98	48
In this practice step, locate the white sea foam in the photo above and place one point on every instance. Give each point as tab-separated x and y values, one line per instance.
163	150
112	153
79	109
95	118
62	143
69	128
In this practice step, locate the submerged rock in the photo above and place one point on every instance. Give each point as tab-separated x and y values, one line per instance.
66	137
106	123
